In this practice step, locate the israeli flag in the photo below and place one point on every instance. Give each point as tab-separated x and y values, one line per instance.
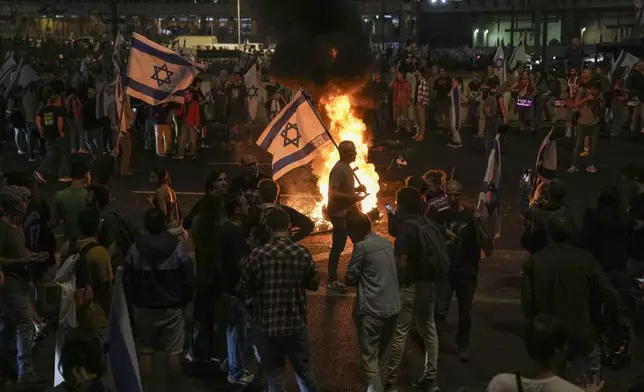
294	137
254	88
157	74
7	68
489	194
104	99
499	65
123	362
518	56
625	60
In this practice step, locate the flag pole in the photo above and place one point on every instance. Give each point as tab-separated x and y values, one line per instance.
308	98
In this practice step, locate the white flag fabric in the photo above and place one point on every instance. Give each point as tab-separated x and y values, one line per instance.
499	65
65	279
489	194
626	60
157	74
105	97
294	137
639	12
116	51
251	80
518	56
122	358
13	80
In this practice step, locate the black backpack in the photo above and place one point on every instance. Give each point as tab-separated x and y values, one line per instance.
127	233
434	260
84	293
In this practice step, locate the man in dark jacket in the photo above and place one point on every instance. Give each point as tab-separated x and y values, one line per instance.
568	283
158	279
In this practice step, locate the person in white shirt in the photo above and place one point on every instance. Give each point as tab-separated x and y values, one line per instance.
545	340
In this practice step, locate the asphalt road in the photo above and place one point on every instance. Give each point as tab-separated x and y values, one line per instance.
497	323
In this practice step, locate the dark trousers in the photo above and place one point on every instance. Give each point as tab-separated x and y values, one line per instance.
275	350
57	159
339	238
464	286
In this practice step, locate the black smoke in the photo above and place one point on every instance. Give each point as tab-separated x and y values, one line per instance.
306	32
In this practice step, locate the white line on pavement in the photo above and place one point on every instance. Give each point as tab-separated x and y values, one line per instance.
201	194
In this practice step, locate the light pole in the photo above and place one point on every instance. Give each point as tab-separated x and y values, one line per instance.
583	30
485	37
476	33
238	23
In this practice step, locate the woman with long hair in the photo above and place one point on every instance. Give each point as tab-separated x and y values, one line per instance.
605	234
165	199
216	184
207	239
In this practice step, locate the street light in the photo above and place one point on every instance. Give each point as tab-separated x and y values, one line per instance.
583	30
485	36
476	33
433	1
444	1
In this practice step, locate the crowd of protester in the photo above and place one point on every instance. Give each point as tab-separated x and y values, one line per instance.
248	278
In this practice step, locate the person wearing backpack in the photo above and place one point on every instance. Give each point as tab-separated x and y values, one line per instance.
158	279
268	193
422	260
116	233
466	238
93	274
494	110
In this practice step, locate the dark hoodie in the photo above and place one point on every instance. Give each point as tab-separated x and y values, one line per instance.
605	233
158	273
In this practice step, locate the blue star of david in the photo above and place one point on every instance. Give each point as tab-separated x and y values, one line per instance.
252	92
162	81
291	140
499	64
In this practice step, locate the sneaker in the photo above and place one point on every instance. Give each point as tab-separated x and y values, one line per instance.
40	178
463	354
224	366
337	286
244	378
455	145
591	169
33	159
65	179
177	157
30	378
425	384
83	151
573	169
21	152
205	145
42	331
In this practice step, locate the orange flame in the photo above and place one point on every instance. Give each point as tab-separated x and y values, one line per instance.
345	125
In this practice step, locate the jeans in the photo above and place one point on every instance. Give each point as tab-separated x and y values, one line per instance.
76	134
57	157
339	239
94	140
236	336
34	141
275	350
16	321
378	127
583	131
472	112
20	145
491	130
417	309
375	335
620	115
464	286
189	135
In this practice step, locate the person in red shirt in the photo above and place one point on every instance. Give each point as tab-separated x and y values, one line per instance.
402	98
191	117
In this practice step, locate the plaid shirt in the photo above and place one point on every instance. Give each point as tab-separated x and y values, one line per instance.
277	275
422	92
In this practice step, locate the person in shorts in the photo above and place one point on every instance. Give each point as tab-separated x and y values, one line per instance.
158	280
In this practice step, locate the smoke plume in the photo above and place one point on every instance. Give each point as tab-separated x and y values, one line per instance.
321	44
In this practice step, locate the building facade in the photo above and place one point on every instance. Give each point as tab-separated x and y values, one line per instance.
442	23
